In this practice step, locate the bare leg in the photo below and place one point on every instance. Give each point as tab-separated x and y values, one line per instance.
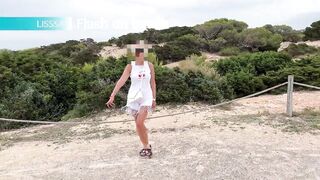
141	128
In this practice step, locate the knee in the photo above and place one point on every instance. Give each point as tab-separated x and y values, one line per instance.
139	123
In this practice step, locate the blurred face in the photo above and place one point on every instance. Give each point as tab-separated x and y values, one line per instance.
139	53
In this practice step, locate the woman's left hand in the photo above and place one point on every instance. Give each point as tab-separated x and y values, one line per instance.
153	105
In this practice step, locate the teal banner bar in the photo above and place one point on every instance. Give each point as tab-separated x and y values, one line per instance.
33	23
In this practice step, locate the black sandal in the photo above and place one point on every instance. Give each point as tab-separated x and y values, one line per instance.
146	152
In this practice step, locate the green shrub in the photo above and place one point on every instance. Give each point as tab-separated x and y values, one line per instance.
175	51
226	88
172	86
196	63
75	52
216	44
247	73
153	36
36	86
244	83
259	39
229	51
255	63
202	88
306	70
313	32
300	49
287	32
90	102
24	101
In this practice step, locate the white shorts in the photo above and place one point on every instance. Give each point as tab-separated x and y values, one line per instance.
134	107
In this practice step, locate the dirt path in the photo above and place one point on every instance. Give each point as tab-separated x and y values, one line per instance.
284	45
250	139
114	51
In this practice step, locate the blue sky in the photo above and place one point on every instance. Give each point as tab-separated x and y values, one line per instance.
102	19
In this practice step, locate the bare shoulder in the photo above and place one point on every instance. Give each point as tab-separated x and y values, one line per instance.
128	67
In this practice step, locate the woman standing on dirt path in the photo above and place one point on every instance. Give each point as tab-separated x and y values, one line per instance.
142	77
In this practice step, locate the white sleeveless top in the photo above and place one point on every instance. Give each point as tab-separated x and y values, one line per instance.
141	73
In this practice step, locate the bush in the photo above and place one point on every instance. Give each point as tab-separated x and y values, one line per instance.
287	32
175	51
215	28
130	38
306	70
24	101
153	36
36	86
195	64
247	73
312	32
167	35
229	51
95	86
259	39
255	63
90	102
226	89
203	89
75	52
172	86
294	50
216	44
244	83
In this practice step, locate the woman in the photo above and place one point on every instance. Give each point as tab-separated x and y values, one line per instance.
142	75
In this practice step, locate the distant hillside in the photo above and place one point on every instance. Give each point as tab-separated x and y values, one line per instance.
74	79
221	36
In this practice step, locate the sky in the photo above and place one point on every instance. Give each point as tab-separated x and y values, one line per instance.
103	19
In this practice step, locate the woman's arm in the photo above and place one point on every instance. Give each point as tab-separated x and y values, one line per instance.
153	80
125	75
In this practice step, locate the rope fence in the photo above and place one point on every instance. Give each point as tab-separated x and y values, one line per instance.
289	106
290	93
306	85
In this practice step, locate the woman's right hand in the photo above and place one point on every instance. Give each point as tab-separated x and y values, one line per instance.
110	102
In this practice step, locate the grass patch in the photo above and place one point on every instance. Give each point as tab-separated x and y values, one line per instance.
225	107
60	134
306	121
311	117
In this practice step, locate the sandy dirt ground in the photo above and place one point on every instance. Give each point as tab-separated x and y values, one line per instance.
209	57
114	51
284	45
117	52
212	56
249	139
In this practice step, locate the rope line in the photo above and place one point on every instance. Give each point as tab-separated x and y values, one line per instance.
223	103
155	117
306	85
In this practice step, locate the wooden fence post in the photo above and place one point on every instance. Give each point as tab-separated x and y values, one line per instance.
290	95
